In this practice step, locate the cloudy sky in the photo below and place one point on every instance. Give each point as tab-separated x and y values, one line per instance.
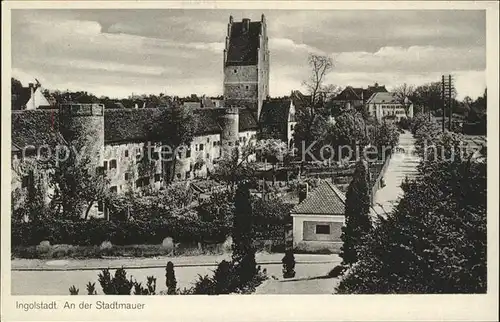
179	52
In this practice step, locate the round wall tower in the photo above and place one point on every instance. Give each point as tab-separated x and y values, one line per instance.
230	129
82	126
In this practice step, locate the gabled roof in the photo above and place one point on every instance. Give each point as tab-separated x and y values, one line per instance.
275	111
383	97
247	120
243	45
300	100
326	199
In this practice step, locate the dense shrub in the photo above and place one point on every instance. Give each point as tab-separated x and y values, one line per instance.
288	265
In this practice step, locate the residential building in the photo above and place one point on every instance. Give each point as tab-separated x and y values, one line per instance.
386	105
319	218
30	98
356	97
277	120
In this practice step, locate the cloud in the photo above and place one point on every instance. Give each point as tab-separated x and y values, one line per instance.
414	58
117	52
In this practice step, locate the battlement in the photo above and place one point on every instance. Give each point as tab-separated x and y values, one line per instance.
83	109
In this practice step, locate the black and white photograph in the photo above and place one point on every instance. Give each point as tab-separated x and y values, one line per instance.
217	151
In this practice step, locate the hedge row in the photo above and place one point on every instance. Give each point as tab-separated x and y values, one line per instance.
94	231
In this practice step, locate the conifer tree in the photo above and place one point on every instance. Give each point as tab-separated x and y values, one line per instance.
171	282
357	220
243	234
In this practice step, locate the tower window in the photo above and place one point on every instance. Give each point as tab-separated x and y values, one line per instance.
112	164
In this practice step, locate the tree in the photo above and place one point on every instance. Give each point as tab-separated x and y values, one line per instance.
274	151
427	96
311	122
16	92
386	136
402	95
288	264
243	235
349	130
76	188
357	220
435	239
171	282
235	166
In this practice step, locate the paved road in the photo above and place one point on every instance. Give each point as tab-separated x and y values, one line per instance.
402	165
58	279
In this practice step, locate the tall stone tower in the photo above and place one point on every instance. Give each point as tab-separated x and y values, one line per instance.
82	126
246	64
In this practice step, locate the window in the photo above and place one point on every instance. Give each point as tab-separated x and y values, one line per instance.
188	153
105	165
208	140
157	177
112	164
113	189
323	229
208	155
126	153
291	127
196	147
201	147
246	87
214	143
235	71
127	176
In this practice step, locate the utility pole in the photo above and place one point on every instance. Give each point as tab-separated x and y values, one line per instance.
447	90
450	106
443	101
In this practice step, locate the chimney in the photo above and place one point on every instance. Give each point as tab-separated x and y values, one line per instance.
32	97
245	24
262	18
303	191
230	19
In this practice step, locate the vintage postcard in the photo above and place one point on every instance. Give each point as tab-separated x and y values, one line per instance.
284	161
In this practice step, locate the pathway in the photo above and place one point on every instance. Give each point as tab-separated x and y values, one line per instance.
38	277
402	165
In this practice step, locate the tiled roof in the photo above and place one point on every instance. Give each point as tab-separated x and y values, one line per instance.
326	199
248	120
37	127
300	100
275	111
243	45
383	97
357	93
